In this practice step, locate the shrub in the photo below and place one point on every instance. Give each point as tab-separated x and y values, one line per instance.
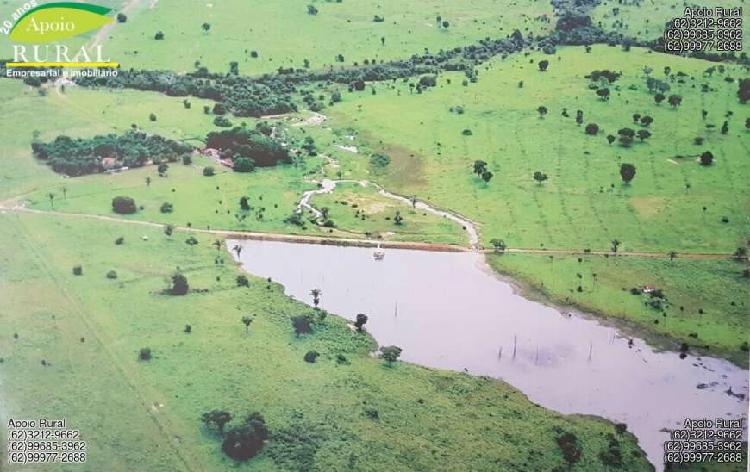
188	329
145	354
191	241
166	207
246	440
243	281
122	18
208	171
222	122
111	274
302	324
379	160
311	356
187	159
244	164
123	205
159	36
119	241
179	285
77	270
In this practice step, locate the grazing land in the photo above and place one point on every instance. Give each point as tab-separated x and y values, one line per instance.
535	156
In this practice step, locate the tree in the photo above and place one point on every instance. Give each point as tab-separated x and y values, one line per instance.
51	197
674	100
159	36
615	244
244	203
747	124
672	255
487	176
646	120
77	270
145	354
626	136
316	293
166	207
246	320
743	91
311	356
543	64
390	354
311	10
216	419
636	117
398	219
206	27
179	285
123	205
302	324
659	97
571	451
445	24
603	93
121	18
245	441
148	181
627	172
643	134
243	281
592	128
168	230
611	138
725	127
187	159
579	117
498	244
360	322
707	158
208	171
542	111
479	167
540	177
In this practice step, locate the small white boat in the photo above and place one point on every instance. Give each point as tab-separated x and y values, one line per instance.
379	254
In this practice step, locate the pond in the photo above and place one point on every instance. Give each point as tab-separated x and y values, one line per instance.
450	311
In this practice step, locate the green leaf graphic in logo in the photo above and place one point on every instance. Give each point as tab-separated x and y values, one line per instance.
55	21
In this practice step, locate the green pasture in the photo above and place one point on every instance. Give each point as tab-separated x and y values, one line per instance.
672	204
707	300
145	415
284	34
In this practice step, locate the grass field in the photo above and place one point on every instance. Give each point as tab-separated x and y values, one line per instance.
284	34
144	415
673	204
707	300
583	204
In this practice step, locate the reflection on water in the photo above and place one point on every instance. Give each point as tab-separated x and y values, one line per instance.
448	310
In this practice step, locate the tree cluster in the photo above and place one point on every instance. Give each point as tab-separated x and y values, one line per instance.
79	156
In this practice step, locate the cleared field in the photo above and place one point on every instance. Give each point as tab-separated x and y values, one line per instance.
283	33
145	415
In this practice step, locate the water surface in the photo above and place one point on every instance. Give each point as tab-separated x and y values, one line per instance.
449	310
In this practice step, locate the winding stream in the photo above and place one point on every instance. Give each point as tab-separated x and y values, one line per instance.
328	186
450	311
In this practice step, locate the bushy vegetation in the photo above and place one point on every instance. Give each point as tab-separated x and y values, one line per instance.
255	147
79	156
